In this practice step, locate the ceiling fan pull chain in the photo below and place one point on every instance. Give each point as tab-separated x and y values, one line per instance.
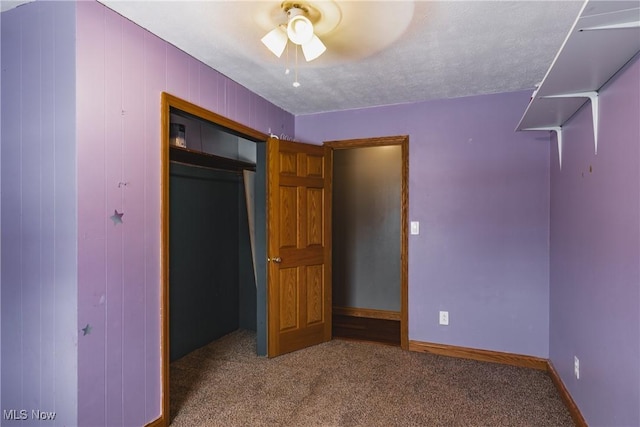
286	70
296	83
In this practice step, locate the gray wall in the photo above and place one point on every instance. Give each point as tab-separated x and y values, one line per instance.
209	243
367	189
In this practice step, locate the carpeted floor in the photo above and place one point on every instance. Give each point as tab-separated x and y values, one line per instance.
346	383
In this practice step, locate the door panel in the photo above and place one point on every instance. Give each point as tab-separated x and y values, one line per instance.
288	299
315	294
288	217
315	208
299	234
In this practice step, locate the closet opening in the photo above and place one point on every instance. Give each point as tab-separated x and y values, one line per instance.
370	246
212	288
214	233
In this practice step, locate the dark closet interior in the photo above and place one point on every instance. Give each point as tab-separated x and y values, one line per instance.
212	288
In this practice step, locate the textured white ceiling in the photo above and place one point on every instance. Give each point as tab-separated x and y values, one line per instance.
382	52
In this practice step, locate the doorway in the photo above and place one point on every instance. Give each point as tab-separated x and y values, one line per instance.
370	244
205	178
289	177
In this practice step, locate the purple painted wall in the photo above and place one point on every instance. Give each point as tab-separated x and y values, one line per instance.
81	139
121	72
481	194
595	256
38	283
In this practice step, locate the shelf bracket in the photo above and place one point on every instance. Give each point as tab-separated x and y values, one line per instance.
558	131
595	113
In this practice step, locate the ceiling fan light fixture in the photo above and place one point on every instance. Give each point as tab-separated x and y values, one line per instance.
299	28
275	41
313	48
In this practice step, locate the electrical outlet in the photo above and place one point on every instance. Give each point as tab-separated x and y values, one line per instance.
576	367
444	318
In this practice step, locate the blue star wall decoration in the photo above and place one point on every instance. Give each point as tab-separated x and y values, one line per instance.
86	330
116	217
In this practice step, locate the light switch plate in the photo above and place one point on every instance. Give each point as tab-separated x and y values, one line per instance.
415	227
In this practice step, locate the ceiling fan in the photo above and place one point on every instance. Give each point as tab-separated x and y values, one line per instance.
339	34
301	23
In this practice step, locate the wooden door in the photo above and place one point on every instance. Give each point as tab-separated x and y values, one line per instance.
299	246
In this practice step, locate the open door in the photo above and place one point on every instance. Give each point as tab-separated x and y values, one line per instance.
299	245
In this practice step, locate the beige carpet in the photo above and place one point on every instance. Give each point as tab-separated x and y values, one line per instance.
345	383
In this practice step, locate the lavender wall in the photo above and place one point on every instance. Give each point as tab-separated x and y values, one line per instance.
481	193
595	256
121	72
38	283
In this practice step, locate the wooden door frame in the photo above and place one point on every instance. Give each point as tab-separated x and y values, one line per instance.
403	141
167	103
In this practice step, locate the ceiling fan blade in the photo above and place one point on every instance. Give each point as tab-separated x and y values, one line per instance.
313	48
275	41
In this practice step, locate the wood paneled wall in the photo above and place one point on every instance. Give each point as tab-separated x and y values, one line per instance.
122	70
38	284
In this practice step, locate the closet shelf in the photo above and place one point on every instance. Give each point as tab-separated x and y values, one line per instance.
198	158
604	37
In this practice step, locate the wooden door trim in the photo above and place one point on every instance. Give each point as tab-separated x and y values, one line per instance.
403	141
168	102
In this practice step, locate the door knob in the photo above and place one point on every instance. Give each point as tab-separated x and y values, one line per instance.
277	260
